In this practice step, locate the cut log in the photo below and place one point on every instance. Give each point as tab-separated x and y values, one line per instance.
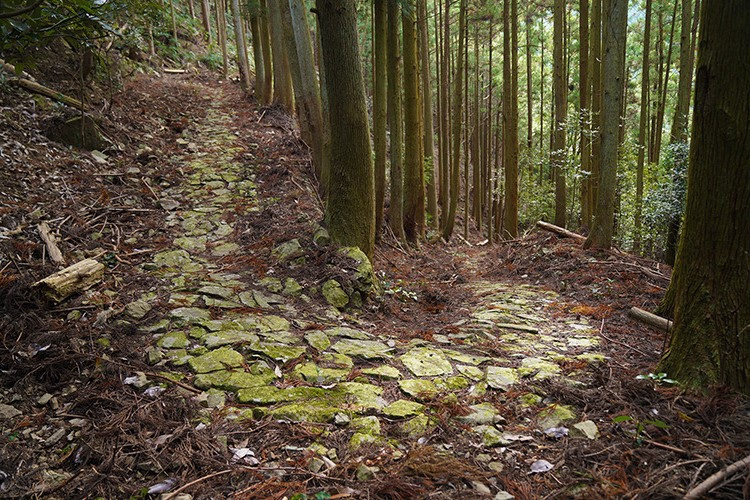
560	231
48	238
47	92
76	278
175	71
650	319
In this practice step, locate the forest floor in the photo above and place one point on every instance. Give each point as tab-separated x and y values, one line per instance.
208	363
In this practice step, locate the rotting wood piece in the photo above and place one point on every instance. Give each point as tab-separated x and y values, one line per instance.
76	278
48	238
47	92
650	319
560	231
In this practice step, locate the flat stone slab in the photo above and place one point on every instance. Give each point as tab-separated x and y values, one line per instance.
426	362
403	408
367	349
501	377
385	372
219	359
419	388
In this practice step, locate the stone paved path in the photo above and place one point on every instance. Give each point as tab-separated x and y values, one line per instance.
347	376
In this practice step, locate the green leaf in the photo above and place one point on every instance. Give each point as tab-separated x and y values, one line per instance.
658	423
622	418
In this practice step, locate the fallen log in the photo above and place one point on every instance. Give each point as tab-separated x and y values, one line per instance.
76	278
48	238
47	92
650	319
175	71
560	231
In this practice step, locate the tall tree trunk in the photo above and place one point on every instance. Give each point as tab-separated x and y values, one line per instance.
710	340
221	30
542	85
642	128
380	107
260	74
428	144
510	118
351	197
529	114
584	114
665	85
456	126
191	9
206	18
679	133
445	159
282	80
595	71
413	168
474	134
306	89
239	38
265	43
396	207
174	23
615	30
558	156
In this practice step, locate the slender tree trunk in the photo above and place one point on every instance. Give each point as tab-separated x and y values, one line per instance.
510	118
260	74
665	86
558	156
642	128
351	198
529	115
456	126
282	80
380	107
191	9
445	167
616	29
395	209
413	167
221	31
542	85
584	117
679	133
595	71
174	23
428	144
239	38
474	134
265	43
710	340
206	18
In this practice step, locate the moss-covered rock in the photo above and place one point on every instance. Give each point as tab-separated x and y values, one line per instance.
318	340
426	362
501	377
219	359
403	408
419	388
334	294
367	349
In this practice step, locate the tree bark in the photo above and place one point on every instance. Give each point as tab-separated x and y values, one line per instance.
413	168
380	107
642	128
428	144
351	197
265	44
595	71
260	73
584	113
396	207
710	340
282	80
616	29
239	38
510	119
221	31
456	127
558	156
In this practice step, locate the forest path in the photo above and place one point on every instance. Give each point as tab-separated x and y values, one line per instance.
274	347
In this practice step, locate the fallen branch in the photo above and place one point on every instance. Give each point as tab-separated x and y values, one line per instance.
650	319
76	278
560	231
47	92
716	478
48	238
175	71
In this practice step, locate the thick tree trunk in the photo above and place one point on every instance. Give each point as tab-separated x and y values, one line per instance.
206	18
428	144
396	207
710	340
351	197
413	168
595	71
221	31
558	156
616	29
456	127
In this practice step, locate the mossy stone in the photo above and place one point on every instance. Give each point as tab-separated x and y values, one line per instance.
173	340
419	388
335	294
219	359
403	408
